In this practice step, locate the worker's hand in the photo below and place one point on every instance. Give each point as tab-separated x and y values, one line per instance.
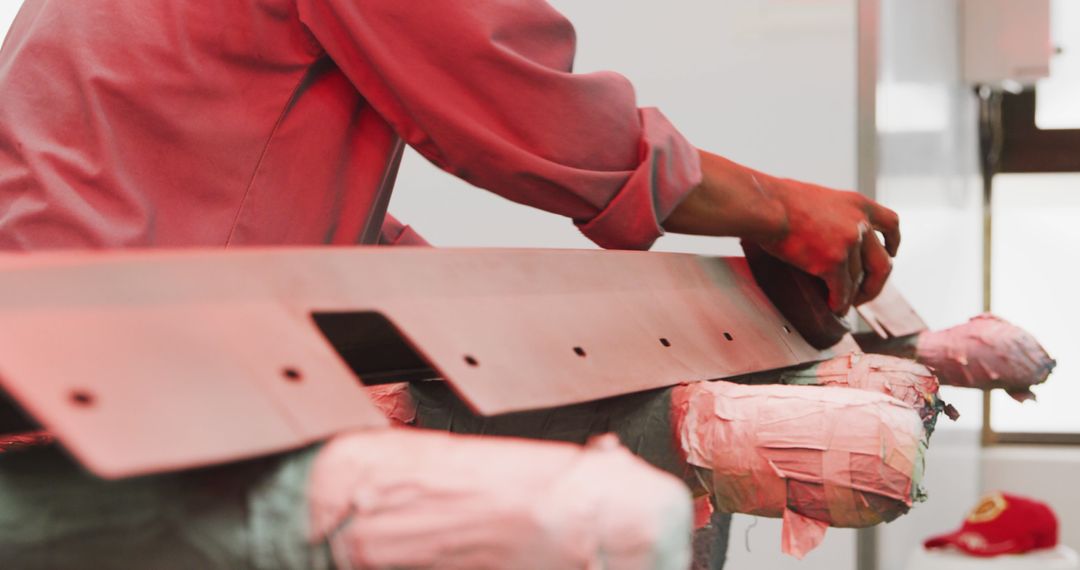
833	234
828	233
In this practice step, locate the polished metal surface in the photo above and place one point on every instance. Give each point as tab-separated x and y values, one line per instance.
890	315
218	352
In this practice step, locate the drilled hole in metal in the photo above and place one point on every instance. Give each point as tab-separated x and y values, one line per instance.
579	351
292	374
81	398
471	360
665	342
728	336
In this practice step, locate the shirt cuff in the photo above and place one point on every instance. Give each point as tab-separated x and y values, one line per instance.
394	232
669	170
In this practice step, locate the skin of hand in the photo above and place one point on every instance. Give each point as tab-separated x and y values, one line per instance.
831	234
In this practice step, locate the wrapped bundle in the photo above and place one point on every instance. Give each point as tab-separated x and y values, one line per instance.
395	402
852	417
421	499
392	498
986	352
641	421
816	457
907	381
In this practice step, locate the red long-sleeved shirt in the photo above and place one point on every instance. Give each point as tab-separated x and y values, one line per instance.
266	122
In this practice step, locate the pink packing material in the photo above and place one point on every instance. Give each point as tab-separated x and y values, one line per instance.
814	456
986	352
703	511
28	440
395	402
907	381
422	499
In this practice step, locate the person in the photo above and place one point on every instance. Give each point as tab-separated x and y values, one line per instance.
279	122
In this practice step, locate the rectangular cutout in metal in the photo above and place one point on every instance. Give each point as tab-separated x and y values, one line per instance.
372	347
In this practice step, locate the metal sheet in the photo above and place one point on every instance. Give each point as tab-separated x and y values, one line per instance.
890	315
217	352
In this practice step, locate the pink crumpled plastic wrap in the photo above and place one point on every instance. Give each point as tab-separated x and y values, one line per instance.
411	498
906	380
815	456
986	352
27	440
395	402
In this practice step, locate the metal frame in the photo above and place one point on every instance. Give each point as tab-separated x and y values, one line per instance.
1029	149
230	354
1012	143
868	30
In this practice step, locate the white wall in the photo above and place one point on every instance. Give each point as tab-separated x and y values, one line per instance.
8	9
929	175
928	168
928	163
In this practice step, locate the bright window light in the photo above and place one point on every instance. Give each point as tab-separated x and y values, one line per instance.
1035	272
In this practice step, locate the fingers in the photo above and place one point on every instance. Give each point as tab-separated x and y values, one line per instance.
841	288
887	222
846	280
855	260
877	265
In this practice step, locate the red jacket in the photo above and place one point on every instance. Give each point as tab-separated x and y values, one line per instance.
265	122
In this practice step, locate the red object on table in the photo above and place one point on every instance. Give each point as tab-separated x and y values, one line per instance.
1003	524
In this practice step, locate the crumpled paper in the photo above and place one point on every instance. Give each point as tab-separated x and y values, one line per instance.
395	401
27	440
907	381
987	352
815	456
411	498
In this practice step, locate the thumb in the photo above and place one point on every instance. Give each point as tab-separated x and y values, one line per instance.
841	289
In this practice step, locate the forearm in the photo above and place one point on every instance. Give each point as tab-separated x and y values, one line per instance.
732	200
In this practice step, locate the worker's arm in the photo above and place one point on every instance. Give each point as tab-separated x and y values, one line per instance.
484	89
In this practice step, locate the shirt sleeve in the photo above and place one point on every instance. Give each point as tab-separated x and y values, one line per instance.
394	232
485	90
